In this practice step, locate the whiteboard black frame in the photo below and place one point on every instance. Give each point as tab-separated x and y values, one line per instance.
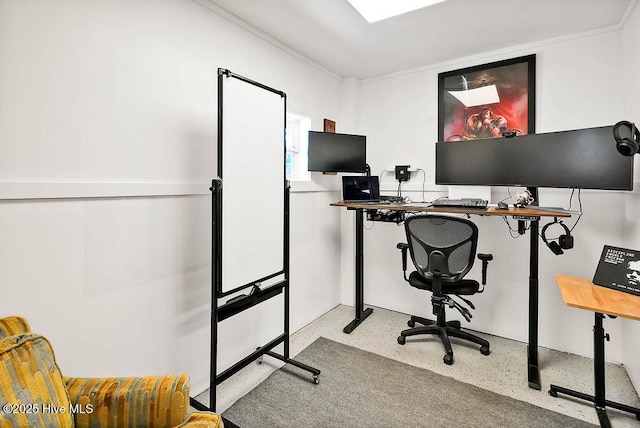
258	294
247	206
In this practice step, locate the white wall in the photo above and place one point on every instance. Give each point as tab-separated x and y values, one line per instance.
579	85
108	142
631	329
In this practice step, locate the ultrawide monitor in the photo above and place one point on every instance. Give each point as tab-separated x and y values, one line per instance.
583	158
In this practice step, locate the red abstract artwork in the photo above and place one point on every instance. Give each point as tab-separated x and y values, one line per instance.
488	101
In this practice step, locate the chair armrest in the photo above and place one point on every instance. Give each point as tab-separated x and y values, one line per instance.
403	248
486	258
149	401
203	420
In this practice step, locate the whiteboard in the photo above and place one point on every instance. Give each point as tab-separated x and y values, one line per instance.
252	169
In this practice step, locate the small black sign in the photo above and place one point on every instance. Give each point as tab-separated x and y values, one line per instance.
619	269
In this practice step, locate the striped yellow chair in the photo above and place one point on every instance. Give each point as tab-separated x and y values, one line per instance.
33	392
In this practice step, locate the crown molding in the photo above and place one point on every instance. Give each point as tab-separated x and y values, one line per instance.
208	4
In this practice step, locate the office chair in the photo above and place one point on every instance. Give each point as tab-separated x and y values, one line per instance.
443	249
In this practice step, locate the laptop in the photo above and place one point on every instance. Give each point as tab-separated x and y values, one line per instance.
360	188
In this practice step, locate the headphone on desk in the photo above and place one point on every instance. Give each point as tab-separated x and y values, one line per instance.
565	242
627	146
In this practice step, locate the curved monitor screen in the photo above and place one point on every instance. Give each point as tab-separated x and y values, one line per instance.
583	159
329	152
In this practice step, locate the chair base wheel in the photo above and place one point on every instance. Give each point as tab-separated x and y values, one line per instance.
553	393
448	359
484	350
402	340
411	323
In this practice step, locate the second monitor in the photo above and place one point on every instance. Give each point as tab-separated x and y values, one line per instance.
329	152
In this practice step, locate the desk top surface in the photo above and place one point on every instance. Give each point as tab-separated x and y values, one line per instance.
424	207
582	293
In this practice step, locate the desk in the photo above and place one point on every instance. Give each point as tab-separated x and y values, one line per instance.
530	214
582	293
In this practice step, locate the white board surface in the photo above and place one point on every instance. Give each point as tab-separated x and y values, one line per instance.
253	183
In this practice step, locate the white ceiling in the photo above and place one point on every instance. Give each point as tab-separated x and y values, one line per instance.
332	34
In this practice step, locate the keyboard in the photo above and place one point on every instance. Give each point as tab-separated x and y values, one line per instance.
368	202
461	203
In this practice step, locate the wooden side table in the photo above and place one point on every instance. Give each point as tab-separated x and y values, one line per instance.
582	293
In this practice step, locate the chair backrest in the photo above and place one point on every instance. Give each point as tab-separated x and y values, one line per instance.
31	380
454	237
10	326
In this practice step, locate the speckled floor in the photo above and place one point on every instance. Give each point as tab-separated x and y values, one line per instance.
504	371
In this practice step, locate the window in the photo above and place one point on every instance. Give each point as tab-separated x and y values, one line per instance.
297	141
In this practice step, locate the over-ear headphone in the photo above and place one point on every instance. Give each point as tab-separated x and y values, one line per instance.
565	242
627	146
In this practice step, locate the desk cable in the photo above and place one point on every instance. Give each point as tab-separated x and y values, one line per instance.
508	197
516	233
399	190
573	192
579	207
424	179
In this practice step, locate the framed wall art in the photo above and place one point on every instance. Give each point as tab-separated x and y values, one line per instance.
329	126
487	101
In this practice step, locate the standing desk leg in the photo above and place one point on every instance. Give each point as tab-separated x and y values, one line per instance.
532	349
599	399
361	313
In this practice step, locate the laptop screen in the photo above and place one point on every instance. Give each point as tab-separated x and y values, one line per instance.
360	188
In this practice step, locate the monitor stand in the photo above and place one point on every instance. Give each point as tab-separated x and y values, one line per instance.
461	192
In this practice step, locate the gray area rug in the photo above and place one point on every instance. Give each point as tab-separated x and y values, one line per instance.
361	389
